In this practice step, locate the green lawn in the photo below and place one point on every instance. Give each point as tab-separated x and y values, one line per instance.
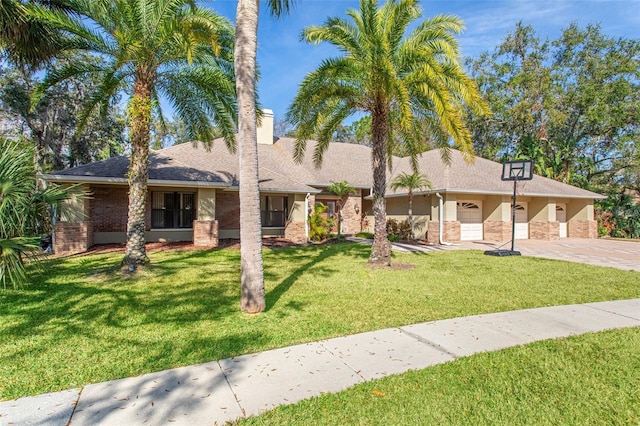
593	379
83	321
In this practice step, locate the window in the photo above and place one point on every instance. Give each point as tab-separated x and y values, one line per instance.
274	211
466	205
172	209
331	208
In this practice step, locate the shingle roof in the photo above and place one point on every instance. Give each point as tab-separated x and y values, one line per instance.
192	163
483	176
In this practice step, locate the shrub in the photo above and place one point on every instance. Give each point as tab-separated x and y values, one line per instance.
367	235
401	230
320	226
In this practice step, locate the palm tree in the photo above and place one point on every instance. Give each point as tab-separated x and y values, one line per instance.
342	190
410	182
251	276
165	47
412	85
25	39
23	210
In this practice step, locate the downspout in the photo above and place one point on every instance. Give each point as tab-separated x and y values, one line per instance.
306	217
440	222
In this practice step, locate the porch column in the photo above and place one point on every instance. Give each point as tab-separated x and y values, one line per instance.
497	226
294	227
205	227
73	233
449	218
543	224
581	219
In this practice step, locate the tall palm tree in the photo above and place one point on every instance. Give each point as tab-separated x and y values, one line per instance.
165	47
251	276
342	189
415	181
25	39
411	83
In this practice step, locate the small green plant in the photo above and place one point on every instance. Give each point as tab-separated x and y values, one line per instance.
398	230
367	235
319	224
341	189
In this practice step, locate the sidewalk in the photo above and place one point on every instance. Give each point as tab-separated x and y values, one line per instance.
220	391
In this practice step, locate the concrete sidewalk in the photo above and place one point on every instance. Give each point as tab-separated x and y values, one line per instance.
219	391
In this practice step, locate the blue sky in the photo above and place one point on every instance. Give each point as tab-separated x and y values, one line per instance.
284	60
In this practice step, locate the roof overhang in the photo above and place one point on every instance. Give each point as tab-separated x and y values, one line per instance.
592	196
326	185
122	181
278	190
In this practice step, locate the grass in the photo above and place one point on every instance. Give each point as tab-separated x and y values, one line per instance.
82	321
591	379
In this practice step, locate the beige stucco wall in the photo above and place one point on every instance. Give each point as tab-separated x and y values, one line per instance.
496	208
450	207
206	204
542	209
580	210
265	128
296	208
75	209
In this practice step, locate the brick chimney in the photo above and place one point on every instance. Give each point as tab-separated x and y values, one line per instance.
265	128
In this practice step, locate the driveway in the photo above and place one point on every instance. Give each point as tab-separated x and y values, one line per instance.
600	252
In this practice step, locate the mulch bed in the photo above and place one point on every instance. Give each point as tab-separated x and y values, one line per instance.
187	245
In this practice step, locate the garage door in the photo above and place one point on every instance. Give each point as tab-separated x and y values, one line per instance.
470	218
522	222
561	216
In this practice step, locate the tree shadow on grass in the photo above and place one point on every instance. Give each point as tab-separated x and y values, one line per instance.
322	268
86	321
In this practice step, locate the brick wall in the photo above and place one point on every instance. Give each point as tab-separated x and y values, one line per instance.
295	232
497	230
351	219
73	237
205	233
451	231
583	229
228	210
108	209
542	230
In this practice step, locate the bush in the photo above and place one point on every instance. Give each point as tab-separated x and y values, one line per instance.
23	211
400	230
367	235
319	226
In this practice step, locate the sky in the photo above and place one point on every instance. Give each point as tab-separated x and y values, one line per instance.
284	60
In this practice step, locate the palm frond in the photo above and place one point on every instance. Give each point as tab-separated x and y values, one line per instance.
12	267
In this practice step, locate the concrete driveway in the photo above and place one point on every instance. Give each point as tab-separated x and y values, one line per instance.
600	252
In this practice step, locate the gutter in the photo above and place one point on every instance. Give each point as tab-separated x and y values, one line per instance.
306	217
440	222
124	181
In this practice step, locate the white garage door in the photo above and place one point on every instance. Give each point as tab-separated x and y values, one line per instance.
561	216
470	218
522	223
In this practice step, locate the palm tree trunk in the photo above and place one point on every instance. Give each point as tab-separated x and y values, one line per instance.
413	235
140	115
381	248
251	275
